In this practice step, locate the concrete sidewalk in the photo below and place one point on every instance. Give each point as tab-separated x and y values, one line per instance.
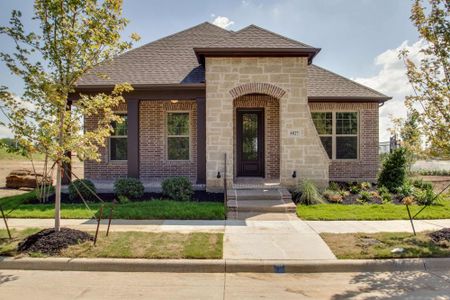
262	237
376	226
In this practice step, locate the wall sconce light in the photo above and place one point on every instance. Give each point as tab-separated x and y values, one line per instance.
174	101
218	175
294	174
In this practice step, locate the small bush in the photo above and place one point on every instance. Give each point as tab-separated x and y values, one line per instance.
123	199
393	171
406	189
130	188
309	193
421	184
355	189
332	196
425	196
334	186
85	187
178	188
384	194
365	196
365	185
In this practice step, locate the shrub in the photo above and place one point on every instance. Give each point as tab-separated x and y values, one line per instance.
332	196
406	189
365	185
131	188
355	189
85	187
178	188
122	199
309	193
384	194
425	196
421	184
393	171
334	186
364	196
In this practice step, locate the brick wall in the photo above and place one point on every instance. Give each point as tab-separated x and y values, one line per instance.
364	168
104	169
153	142
271	129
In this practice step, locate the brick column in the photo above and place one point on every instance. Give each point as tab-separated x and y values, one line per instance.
133	137
201	140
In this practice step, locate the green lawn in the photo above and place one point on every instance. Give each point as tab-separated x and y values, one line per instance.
152	209
132	245
380	245
330	212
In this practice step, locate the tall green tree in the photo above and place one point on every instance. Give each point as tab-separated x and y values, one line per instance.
73	37
430	78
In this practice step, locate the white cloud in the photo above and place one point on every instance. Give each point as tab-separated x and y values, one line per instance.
392	81
223	22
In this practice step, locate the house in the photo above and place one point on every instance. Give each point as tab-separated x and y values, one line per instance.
253	95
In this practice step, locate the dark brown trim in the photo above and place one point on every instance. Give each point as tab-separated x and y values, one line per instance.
347	99
179	93
201	140
133	138
201	53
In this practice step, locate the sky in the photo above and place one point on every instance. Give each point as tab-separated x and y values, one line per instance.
360	39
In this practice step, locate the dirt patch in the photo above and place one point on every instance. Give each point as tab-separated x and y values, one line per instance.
441	237
51	242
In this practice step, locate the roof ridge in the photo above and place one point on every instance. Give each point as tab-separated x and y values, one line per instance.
276	34
351	81
172	35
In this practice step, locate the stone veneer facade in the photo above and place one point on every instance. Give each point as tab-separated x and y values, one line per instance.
281	77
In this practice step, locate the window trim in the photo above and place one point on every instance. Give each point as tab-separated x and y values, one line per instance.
121	113
167	136
334	135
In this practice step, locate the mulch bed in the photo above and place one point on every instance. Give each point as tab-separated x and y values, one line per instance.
51	242
441	237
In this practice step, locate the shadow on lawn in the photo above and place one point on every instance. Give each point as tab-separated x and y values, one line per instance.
397	285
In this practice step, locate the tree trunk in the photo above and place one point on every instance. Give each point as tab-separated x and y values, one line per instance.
58	198
58	175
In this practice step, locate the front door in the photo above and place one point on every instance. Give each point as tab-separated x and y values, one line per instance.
250	142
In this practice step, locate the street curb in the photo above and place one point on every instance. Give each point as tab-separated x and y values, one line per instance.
221	265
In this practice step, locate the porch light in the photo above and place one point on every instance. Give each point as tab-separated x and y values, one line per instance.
174	101
294	174
218	175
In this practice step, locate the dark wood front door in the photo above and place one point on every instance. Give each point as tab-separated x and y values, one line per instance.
250	142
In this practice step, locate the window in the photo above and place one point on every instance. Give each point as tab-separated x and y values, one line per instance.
118	140
338	132
324	126
346	135
178	135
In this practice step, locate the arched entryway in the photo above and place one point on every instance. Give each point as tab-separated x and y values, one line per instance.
256	120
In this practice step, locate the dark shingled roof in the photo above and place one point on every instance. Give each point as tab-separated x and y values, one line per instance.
172	61
256	37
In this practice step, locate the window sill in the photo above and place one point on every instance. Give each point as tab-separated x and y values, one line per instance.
117	162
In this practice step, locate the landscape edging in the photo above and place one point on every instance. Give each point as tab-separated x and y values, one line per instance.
221	265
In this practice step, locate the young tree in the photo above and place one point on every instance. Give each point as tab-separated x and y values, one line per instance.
410	137
74	36
430	78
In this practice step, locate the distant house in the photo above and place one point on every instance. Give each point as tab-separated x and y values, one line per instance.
253	95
